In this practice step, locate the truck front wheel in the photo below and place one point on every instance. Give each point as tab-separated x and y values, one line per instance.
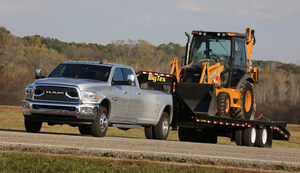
32	126
100	124
161	130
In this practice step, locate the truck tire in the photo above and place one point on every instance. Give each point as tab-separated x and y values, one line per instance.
161	130
249	136
261	137
247	101
85	129
224	105
32	126
239	137
100	124
148	132
183	134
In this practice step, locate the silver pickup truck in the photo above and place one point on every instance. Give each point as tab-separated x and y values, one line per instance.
93	96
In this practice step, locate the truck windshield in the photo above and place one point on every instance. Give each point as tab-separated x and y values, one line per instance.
82	71
210	48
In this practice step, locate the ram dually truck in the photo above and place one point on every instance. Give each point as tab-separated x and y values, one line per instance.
94	96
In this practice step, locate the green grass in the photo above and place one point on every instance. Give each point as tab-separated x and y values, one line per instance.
25	162
11	118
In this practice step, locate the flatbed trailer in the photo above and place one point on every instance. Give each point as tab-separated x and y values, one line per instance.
197	127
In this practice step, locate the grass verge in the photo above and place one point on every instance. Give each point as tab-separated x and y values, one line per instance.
28	162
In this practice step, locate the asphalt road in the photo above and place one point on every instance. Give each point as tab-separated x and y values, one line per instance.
143	148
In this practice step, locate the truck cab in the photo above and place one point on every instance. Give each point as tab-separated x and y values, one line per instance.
93	96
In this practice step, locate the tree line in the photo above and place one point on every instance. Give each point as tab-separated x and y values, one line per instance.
277	93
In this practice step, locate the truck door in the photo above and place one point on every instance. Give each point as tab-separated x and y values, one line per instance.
120	98
134	92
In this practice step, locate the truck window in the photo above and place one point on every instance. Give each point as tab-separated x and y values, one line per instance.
118	75
81	71
126	72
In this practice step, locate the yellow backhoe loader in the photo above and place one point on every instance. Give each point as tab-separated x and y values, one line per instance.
217	76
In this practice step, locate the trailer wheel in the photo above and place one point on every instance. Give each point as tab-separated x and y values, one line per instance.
249	136
148	132
161	130
85	129
32	126
239	137
183	134
100	124
261	137
223	102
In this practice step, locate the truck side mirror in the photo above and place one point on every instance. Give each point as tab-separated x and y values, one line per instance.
38	73
131	79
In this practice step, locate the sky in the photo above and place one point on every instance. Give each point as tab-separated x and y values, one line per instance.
276	22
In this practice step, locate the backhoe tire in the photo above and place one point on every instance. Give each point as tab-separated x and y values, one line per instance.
85	129
161	130
247	102
148	132
223	102
32	126
100	124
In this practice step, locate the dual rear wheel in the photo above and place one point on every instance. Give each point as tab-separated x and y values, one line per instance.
252	136
159	131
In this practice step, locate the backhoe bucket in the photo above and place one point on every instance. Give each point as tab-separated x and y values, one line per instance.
200	98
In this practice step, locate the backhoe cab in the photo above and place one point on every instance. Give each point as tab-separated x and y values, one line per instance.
217	77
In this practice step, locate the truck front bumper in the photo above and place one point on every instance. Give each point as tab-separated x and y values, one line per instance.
59	112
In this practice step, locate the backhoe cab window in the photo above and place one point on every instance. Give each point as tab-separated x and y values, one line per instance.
210	48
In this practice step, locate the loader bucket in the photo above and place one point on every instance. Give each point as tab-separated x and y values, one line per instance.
200	98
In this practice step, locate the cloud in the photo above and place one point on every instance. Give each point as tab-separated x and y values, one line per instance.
258	6
20	7
190	5
145	17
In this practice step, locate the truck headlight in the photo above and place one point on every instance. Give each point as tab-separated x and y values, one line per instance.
28	92
89	96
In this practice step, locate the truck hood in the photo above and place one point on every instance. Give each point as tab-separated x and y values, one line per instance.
81	83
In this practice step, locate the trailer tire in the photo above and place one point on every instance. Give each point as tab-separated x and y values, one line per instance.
161	130
249	136
32	126
148	132
183	134
100	124
239	137
85	129
261	137
223	103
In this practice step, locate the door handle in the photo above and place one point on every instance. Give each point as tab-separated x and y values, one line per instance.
138	93
125	92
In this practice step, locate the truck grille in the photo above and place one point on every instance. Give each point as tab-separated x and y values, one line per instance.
56	93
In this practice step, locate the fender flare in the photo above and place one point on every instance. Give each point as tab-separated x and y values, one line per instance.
246	77
161	112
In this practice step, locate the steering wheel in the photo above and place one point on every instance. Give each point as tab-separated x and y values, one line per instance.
216	57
